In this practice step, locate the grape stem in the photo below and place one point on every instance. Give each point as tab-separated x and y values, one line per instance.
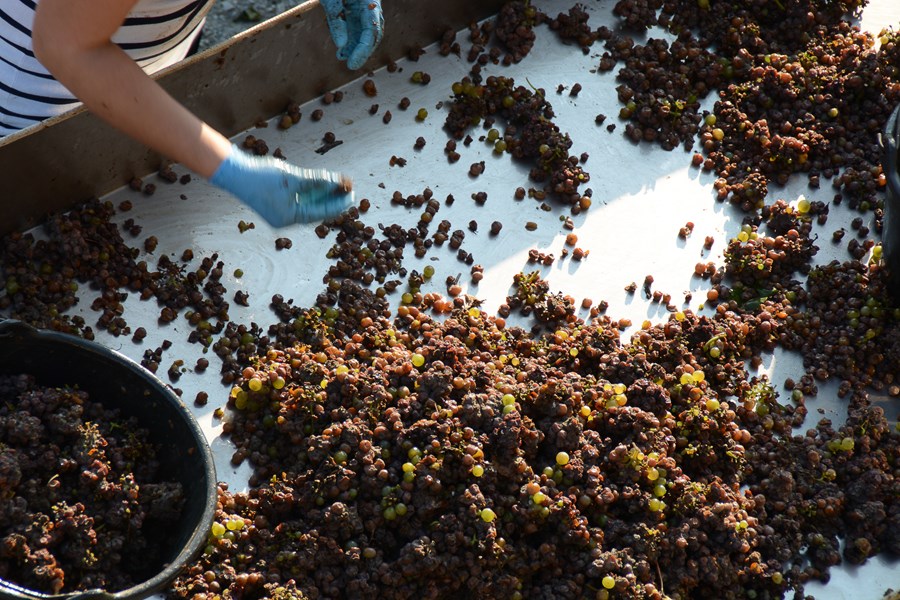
712	341
537	91
662	587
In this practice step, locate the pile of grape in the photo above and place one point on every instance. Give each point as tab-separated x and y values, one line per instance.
82	492
424	458
530	132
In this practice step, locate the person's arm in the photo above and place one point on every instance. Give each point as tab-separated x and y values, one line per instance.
72	39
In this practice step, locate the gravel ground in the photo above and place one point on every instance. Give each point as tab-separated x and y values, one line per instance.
230	17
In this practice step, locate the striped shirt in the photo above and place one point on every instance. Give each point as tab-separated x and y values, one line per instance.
156	34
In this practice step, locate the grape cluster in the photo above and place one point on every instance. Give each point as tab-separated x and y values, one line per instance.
85	246
532	297
756	26
514	27
762	267
573	26
42	277
82	493
661	89
638	15
819	114
801	91
850	326
530	133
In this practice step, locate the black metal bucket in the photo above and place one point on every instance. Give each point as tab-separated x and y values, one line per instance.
890	233
57	359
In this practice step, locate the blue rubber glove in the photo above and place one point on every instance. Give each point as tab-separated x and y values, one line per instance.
282	193
356	27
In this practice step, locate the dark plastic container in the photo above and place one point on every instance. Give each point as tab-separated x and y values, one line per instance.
890	233
58	359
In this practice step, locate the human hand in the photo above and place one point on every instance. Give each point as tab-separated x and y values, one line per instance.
356	27
282	193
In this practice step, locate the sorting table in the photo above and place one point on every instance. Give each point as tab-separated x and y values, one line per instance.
642	196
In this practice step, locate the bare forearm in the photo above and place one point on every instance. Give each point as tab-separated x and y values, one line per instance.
72	38
113	87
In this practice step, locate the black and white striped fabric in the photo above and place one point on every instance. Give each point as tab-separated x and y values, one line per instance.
156	34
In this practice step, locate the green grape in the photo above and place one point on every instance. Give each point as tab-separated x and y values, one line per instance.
217	529
234	524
